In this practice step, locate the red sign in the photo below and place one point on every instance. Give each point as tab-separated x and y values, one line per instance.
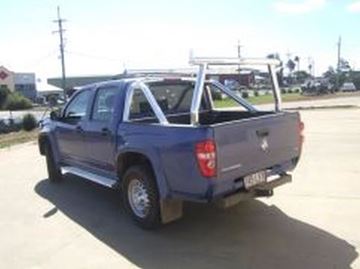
3	75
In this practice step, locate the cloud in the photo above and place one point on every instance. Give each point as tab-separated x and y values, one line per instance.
354	7
304	6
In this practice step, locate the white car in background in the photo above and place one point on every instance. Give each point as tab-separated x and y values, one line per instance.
348	87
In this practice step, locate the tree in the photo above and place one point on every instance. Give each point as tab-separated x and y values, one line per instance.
297	60
335	78
310	67
301	76
340	75
4	93
344	66
330	74
290	65
355	77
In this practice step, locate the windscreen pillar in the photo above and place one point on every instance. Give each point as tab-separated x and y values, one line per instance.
197	95
275	87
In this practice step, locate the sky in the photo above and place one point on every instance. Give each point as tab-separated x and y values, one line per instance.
104	37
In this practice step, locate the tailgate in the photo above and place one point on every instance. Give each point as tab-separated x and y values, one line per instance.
254	144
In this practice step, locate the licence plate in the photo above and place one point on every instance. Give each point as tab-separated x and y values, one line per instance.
254	179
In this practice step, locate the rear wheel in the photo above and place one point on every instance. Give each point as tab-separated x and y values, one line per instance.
53	171
141	197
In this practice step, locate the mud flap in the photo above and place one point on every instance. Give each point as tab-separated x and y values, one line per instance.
171	210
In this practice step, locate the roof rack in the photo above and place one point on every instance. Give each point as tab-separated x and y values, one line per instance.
205	62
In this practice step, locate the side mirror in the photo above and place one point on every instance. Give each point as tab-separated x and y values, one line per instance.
55	115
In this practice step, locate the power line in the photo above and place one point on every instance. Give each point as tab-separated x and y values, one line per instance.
93	56
61	31
37	61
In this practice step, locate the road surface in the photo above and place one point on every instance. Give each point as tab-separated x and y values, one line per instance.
311	223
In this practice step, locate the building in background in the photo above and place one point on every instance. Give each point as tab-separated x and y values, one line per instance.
23	83
7	79
47	94
230	77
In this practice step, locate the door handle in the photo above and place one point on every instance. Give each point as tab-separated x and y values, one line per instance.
262	133
105	131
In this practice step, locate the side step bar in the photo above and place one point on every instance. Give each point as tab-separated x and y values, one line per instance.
88	175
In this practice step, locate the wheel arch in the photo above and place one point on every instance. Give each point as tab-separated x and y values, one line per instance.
132	157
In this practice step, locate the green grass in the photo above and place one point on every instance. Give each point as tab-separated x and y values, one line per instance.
10	139
263	99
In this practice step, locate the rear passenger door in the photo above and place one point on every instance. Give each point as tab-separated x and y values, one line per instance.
99	133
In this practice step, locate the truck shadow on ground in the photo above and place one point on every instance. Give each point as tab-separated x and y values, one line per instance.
250	235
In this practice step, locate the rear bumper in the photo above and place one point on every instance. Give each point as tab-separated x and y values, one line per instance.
263	190
216	189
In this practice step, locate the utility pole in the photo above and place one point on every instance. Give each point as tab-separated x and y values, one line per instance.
239	46
338	63
339	53
61	31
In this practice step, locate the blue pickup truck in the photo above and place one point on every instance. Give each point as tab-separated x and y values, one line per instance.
161	141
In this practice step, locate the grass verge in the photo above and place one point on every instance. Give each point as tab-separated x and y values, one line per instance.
269	99
262	99
10	139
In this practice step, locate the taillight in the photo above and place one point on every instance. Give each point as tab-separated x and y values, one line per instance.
206	157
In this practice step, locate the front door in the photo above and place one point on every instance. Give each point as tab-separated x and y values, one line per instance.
69	129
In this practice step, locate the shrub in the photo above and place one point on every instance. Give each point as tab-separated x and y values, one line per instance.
245	95
3	127
29	122
16	101
290	91
297	90
283	91
9	127
4	93
256	93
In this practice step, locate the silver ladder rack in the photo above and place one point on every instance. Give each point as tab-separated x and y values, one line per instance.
205	62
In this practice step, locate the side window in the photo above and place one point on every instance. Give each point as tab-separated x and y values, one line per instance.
104	104
140	107
78	106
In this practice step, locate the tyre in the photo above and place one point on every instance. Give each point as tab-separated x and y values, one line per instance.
141	196
53	171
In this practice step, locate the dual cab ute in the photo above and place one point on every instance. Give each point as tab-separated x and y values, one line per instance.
164	140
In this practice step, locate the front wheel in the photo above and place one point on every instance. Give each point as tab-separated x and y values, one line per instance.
141	197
